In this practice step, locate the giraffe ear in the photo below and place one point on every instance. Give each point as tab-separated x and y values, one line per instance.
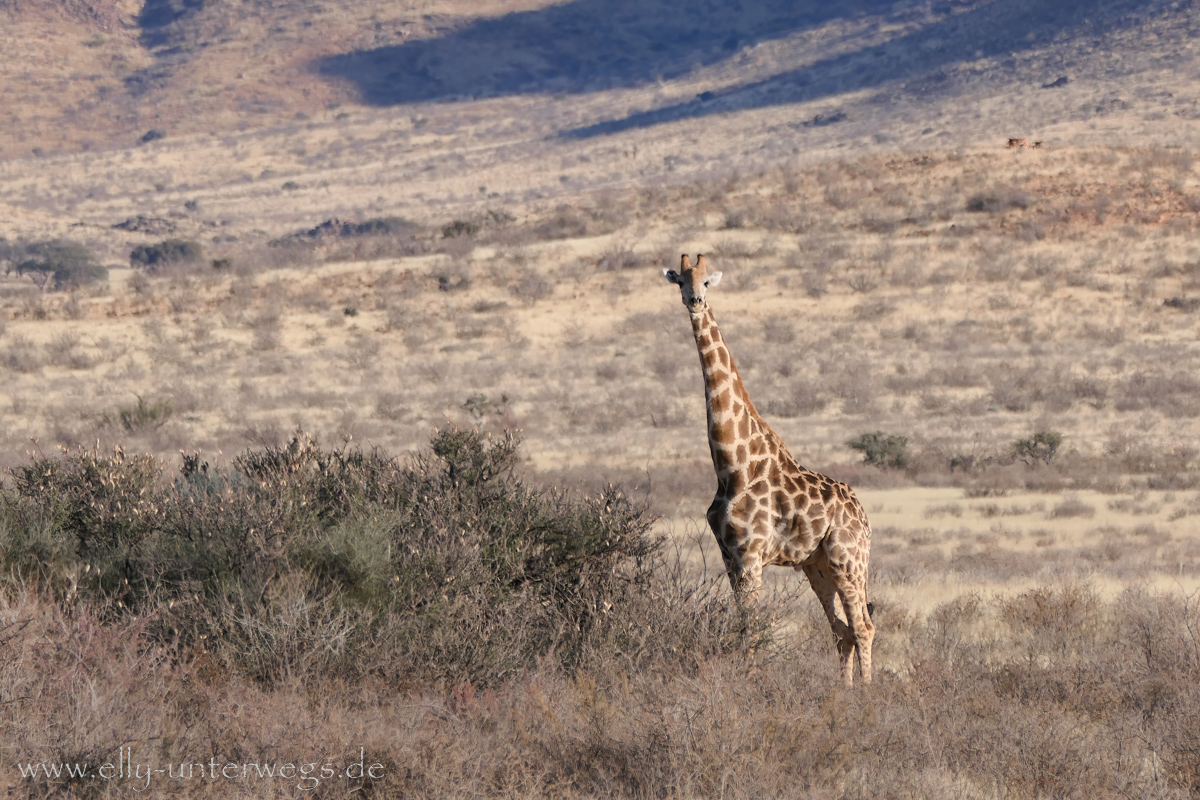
671	275
713	279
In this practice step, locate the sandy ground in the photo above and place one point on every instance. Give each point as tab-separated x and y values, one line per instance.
1005	545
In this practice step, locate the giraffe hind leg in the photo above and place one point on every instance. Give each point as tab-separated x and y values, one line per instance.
820	578
851	584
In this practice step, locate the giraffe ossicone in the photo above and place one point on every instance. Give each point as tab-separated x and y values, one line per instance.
769	510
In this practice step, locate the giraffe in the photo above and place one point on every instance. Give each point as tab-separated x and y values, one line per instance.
768	509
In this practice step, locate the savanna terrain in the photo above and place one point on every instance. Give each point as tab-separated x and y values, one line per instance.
346	414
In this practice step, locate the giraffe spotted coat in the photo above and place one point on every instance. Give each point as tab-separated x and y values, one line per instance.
769	510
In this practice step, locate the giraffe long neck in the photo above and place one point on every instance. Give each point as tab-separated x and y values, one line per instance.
732	418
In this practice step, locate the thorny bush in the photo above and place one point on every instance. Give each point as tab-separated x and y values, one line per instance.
344	561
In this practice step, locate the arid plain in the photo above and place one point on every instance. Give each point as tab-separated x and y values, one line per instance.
380	261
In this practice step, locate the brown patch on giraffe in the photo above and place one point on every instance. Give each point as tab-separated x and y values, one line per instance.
742	506
722	431
720	402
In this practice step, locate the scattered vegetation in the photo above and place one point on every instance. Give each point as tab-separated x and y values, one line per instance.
1042	446
882	449
156	257
342	563
67	263
1001	198
145	414
458	228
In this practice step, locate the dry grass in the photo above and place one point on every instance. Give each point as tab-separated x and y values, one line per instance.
493	262
595	663
1065	692
927	346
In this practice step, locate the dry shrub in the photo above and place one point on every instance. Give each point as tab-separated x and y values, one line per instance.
778	330
21	355
338	563
531	287
733	249
573	222
1175	394
1014	388
64	350
619	256
268	330
1066	694
1072	507
801	400
999	199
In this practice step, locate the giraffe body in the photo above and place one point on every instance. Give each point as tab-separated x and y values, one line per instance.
769	510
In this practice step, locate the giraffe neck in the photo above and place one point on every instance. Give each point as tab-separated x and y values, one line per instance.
732	419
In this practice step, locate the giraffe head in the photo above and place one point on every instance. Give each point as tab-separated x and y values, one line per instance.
693	282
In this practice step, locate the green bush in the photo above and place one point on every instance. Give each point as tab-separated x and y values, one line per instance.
385	226
167	252
998	199
145	415
69	263
346	562
460	228
1042	446
881	449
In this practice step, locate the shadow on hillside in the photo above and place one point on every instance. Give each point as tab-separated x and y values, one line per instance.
580	46
589	45
921	64
156	18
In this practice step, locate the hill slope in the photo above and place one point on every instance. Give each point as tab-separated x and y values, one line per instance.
100	73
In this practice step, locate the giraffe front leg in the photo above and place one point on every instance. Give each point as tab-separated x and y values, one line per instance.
746	580
743	565
743	568
749	584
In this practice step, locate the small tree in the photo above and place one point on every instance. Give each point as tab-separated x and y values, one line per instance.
69	263
1042	446
881	449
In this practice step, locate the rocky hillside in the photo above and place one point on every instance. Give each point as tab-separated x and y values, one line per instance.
87	74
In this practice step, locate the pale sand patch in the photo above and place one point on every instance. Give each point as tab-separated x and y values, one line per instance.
898	514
